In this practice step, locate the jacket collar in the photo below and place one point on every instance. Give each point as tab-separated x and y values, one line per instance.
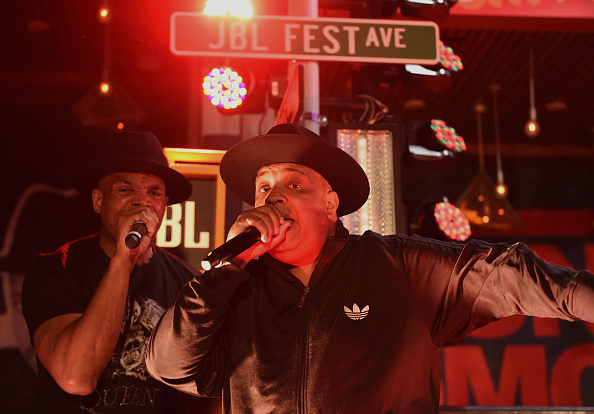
333	246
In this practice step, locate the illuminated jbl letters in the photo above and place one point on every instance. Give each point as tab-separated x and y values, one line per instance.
172	221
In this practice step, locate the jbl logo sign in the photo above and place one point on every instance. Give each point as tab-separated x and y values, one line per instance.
181	221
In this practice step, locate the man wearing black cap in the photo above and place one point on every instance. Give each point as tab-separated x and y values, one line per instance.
91	305
314	320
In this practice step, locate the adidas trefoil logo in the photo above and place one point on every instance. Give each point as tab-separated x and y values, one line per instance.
356	314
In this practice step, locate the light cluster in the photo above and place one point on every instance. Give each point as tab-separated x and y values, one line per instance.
449	59
447	136
224	88
452	221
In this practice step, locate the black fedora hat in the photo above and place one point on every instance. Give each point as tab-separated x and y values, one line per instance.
293	143
129	151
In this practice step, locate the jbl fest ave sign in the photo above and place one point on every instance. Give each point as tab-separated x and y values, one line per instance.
302	38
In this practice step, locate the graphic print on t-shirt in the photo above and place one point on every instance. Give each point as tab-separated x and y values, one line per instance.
125	384
144	320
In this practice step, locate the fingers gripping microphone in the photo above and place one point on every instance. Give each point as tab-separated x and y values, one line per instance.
136	232
232	248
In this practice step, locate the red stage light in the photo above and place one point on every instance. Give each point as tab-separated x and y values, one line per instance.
452	221
437	77
447	136
449	59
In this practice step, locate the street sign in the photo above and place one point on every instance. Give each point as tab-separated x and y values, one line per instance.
305	38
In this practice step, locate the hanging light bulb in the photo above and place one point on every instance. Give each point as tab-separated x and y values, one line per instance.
501	189
107	105
105	88
482	201
104	14
532	128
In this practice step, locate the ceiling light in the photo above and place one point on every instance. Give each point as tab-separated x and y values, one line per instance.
112	110
501	188
107	105
532	128
481	202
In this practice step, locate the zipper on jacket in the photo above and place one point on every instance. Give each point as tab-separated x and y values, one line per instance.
305	291
303	354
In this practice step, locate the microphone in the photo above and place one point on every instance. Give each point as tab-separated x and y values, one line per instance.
232	248
136	232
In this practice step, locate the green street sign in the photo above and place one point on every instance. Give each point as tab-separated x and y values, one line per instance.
303	38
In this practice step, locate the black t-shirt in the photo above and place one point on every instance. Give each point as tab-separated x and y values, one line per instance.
64	282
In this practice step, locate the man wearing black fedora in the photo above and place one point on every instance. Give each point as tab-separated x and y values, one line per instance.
91	305
314	320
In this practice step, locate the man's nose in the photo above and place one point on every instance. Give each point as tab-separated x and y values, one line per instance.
276	195
141	199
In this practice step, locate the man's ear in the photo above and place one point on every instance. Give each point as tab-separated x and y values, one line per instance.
332	204
97	199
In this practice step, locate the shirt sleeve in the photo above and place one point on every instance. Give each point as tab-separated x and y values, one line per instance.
48	293
460	288
187	349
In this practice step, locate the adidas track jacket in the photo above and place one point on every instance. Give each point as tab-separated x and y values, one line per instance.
364	336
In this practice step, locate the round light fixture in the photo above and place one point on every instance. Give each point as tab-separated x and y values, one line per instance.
224	88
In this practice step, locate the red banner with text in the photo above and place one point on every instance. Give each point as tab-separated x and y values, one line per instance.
525	361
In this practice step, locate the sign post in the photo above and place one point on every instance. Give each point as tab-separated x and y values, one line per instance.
305	38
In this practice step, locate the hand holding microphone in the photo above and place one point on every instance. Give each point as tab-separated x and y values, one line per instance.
231	248
137	231
272	221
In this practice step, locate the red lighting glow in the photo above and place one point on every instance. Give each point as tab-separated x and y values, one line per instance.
448	136
449	59
224	88
452	221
